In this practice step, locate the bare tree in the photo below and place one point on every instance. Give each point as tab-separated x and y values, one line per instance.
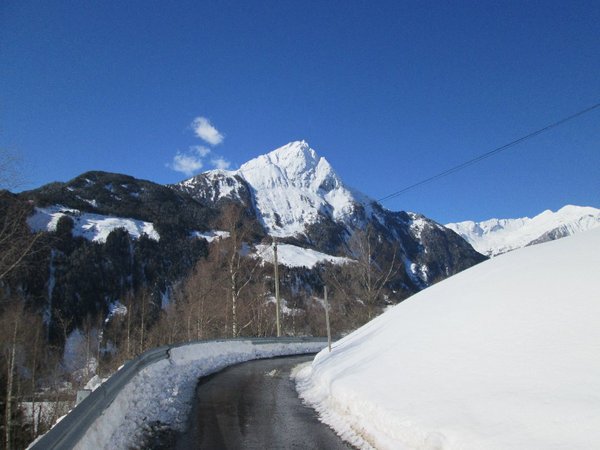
12	319
144	307
374	268
256	315
167	329
16	241
359	289
128	315
21	332
88	348
240	269
138	322
37	349
199	302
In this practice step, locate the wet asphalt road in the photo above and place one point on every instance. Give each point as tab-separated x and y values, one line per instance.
255	406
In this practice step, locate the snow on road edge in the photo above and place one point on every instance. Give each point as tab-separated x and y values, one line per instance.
331	413
163	391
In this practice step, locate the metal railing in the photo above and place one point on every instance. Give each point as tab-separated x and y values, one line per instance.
69	431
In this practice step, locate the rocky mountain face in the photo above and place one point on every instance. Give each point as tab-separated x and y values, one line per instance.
123	196
107	237
496	236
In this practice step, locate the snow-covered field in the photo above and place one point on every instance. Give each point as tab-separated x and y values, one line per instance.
505	355
294	256
94	227
162	392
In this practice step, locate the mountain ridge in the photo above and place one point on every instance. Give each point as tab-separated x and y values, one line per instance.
298	198
493	237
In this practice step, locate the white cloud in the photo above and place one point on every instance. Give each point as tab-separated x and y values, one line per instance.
200	150
192	160
220	163
186	163
206	131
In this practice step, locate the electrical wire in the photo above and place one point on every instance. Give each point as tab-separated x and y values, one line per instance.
489	154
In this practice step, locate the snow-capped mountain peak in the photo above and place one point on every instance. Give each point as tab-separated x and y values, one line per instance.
290	187
495	236
295	164
293	186
297	196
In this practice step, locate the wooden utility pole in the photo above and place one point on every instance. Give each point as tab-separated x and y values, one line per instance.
277	301
327	317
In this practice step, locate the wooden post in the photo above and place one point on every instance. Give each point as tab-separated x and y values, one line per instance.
327	317
277	300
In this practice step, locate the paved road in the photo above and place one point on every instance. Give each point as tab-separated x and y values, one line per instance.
255	406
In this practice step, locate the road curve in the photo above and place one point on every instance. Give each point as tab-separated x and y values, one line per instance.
255	406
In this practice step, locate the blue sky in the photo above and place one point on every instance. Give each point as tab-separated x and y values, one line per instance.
389	92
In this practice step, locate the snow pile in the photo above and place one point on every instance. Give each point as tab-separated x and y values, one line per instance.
162	392
504	355
94	383
211	235
495	236
94	227
294	256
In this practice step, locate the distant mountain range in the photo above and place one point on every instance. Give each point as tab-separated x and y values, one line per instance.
496	236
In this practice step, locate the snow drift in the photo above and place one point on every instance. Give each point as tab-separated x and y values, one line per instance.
503	355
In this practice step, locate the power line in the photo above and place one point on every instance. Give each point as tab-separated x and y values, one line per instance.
488	154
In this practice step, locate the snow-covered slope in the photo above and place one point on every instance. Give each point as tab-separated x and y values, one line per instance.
94	227
504	355
294	256
495	236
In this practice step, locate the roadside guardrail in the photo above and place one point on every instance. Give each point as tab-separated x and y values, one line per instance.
67	433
